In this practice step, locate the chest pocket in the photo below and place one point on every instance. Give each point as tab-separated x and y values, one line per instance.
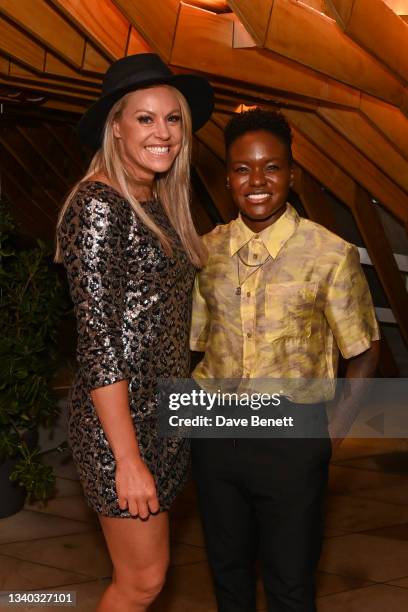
289	309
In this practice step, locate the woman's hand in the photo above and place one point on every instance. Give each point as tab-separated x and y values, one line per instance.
135	484
136	488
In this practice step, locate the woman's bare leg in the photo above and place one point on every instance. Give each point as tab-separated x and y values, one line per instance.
140	555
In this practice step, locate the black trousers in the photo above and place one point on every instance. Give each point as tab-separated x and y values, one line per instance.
263	499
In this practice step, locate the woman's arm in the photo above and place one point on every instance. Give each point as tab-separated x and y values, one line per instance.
135	485
360	369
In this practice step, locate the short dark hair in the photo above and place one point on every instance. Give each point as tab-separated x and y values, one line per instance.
259	119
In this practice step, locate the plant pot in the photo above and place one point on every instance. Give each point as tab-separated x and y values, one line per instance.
12	494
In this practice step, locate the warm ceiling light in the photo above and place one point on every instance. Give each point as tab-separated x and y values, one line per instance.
242	108
216	6
400	7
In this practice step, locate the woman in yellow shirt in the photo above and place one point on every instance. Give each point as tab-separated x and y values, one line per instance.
279	298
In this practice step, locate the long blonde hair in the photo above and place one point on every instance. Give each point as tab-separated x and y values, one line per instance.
171	187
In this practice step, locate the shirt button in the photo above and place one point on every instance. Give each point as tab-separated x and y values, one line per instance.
256	236
248	294
255	256
249	335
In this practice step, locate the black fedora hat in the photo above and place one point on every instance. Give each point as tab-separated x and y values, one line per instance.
135	72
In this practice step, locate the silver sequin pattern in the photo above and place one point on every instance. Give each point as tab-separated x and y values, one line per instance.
133	309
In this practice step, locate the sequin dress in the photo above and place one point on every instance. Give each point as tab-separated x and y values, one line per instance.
133	309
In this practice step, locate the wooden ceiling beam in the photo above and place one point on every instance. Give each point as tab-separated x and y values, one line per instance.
317	5
104	24
49	88
212	136
239	94
203	42
220	120
389	120
155	22
374	26
4	65
212	173
369	141
215	6
56	68
56	98
35	63
351	161
47	26
38	58
323	169
201	202
68	106
137	44
313	198
254	15
380	252
321	48
241	38
94	61
20	47
209	162
400	7
89	88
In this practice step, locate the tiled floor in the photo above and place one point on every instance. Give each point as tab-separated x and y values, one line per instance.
364	565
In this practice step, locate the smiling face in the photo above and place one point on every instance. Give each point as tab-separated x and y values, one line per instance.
259	175
149	130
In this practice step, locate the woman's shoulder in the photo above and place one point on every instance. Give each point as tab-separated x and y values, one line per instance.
96	190
95	206
96	197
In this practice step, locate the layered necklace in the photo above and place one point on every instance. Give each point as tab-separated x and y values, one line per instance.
255	268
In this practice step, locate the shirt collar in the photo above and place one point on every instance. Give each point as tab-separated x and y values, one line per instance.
273	237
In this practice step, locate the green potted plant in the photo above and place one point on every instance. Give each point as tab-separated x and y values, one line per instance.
32	302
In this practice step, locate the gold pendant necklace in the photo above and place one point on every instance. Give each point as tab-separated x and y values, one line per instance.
257	267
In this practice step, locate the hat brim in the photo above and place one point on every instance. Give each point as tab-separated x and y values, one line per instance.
197	91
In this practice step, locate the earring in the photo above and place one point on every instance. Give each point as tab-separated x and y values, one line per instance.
227	185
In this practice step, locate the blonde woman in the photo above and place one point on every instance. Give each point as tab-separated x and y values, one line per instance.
126	238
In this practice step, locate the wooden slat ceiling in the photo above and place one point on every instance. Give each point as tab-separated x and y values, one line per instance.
337	68
400	8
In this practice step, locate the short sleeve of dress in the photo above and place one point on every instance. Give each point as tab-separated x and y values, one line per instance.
349	308
92	238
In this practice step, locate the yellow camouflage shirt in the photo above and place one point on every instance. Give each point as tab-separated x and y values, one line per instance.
291	315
